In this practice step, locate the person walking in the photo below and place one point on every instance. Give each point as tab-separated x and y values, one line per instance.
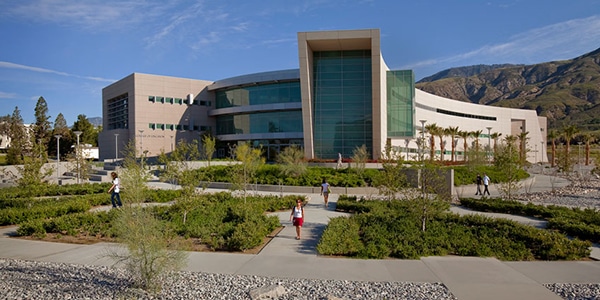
325	190
486	183
339	161
478	181
115	189
297	218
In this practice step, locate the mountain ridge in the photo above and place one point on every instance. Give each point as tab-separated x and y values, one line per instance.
566	91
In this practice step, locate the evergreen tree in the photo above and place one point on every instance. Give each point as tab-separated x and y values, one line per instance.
18	139
89	134
66	140
41	129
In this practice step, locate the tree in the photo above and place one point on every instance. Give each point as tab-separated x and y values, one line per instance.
133	176
208	145
508	161
88	132
495	136
569	133
291	161
453	132
464	135
149	247
66	140
360	155
19	142
587	139
392	178
552	136
250	161
33	172
433	130
523	147
41	128
431	198
477	153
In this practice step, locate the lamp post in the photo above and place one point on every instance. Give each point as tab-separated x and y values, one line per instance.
542	151
116	147
579	156
58	136
142	140
422	137
407	141
489	141
171	143
77	156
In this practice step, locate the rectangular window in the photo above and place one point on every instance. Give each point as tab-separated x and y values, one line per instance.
160	99
169	100
151	98
152	126
178	101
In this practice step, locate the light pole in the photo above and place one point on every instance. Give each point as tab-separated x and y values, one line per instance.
171	143
77	156
407	141
489	141
579	156
422	138
58	136
142	140
542	151
116	147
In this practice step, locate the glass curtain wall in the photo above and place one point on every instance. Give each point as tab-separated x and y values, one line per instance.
400	103
342	102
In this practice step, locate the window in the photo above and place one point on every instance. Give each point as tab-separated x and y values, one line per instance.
152	126
160	99
178	101
151	98
169	100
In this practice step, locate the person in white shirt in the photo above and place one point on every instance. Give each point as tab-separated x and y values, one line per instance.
325	190
114	191
486	183
297	217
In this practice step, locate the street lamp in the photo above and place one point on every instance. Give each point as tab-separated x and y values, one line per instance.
542	151
77	156
422	137
171	143
142	140
579	156
58	136
489	140
116	147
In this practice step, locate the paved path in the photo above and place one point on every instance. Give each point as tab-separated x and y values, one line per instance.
466	277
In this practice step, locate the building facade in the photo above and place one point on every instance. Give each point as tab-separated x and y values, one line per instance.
341	97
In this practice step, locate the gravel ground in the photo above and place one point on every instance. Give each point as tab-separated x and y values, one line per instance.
42	280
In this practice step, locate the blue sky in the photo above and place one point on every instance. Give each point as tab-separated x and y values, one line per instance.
68	50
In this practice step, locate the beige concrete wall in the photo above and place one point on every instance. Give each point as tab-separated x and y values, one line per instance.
142	112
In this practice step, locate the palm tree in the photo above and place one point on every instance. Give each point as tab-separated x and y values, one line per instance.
495	136
433	132
523	146
476	134
441	133
552	136
569	133
587	139
464	135
452	132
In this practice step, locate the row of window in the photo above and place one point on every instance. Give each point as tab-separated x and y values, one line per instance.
180	101
179	127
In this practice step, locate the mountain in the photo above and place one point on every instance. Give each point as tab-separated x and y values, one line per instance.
566	92
464	71
96	121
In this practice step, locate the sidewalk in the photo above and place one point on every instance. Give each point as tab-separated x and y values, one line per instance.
465	277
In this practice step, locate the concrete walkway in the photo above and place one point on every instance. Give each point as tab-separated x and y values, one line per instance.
284	256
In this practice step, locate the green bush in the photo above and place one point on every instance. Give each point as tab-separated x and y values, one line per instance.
583	224
383	229
341	237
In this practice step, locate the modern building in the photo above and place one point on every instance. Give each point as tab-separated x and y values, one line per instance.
341	97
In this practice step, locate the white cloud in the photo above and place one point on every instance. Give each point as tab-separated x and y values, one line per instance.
9	65
558	41
4	95
96	14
